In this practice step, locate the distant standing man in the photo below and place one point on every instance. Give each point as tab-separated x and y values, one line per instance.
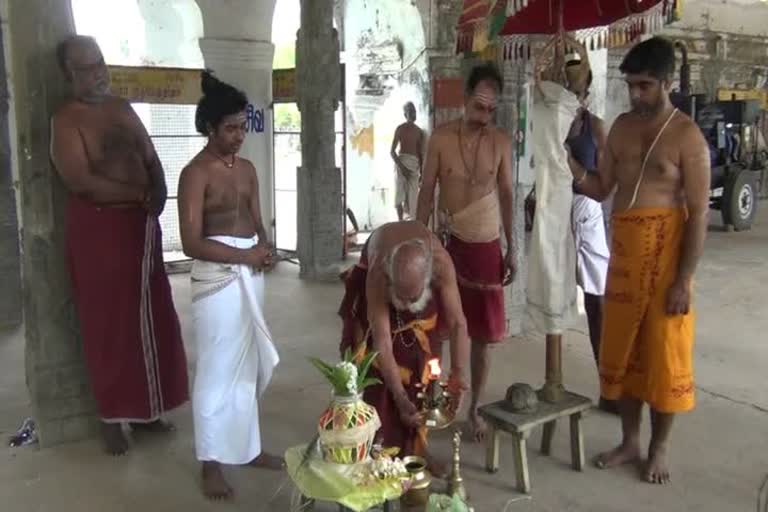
660	161
471	159
131	335
408	162
222	229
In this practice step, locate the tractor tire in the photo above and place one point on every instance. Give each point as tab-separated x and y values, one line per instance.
739	202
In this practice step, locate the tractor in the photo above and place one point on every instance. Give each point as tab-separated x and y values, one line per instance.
737	152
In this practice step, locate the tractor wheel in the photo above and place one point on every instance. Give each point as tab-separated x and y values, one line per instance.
739	203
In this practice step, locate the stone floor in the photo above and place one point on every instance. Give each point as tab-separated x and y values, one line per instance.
719	454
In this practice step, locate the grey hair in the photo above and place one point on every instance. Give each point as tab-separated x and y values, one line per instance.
413	242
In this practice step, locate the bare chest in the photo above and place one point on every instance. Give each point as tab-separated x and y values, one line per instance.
657	163
228	192
470	162
111	140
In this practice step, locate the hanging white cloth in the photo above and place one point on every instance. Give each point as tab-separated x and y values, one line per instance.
551	293
235	357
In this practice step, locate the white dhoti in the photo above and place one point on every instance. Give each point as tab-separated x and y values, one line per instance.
592	252
551	293
407	189
235	358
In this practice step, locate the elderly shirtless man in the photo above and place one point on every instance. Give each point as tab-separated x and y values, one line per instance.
221	228
471	160
391	306
659	160
131	336
408	162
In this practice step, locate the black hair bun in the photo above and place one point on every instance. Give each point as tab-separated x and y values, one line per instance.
218	101
210	84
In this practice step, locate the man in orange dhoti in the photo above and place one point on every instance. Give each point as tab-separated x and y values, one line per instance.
659	162
403	285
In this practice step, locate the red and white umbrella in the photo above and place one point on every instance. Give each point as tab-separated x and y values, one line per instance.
597	23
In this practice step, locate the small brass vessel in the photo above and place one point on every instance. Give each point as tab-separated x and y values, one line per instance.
421	479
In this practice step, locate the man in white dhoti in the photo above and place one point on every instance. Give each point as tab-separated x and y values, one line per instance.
221	228
408	162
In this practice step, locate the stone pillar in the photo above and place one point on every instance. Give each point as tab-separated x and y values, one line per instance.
443	61
10	259
237	48
56	377
320	212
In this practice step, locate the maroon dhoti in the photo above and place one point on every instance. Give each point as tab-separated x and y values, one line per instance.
411	338
480	272
131	335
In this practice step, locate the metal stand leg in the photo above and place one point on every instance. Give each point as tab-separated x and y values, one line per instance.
521	463
492	450
577	442
546	437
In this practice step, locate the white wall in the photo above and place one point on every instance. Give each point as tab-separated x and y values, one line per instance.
740	26
381	24
746	17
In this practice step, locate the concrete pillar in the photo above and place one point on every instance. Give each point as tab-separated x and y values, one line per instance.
56	377
442	60
10	259
320	212
237	48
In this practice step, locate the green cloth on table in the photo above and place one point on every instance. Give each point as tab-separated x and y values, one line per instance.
326	481
445	503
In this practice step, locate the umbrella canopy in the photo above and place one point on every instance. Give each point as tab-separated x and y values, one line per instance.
543	16
599	23
480	22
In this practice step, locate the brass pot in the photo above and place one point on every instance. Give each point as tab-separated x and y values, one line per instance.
418	493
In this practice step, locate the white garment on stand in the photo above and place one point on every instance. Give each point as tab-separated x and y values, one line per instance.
235	358
551	293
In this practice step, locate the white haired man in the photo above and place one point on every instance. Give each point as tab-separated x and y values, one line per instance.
404	283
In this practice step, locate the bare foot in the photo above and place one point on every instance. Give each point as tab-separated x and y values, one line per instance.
657	470
477	426
623	454
114	440
436	467
268	461
215	487
155	427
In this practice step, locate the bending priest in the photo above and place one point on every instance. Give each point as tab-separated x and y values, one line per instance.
402	288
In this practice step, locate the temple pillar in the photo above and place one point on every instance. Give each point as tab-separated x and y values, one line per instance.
319	180
10	258
61	399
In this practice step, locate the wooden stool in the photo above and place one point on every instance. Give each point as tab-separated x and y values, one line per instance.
520	426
